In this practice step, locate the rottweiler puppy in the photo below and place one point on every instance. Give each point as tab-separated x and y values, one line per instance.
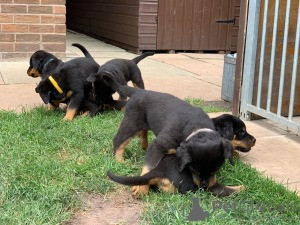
64	81
197	160
43	63
234	129
171	119
123	70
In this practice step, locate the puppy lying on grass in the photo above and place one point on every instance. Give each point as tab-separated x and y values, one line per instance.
194	166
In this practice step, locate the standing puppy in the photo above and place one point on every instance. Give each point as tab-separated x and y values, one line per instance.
172	120
64	82
123	70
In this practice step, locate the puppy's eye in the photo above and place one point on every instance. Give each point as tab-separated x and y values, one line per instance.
241	132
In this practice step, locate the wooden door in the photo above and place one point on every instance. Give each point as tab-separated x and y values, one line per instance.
196	24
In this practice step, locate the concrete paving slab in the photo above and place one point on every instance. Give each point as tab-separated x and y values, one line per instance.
15	73
182	88
1	79
204	56
277	157
18	97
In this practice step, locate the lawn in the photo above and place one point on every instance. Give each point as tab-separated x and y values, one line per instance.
47	165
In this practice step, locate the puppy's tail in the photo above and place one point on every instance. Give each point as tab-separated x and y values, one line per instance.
123	90
84	51
142	56
138	180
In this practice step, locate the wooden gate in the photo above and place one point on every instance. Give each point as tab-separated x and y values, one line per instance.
210	25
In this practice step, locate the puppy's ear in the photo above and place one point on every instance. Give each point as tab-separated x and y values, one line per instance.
183	154
45	96
226	130
228	150
92	78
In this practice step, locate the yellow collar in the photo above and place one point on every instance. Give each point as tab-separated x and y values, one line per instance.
55	84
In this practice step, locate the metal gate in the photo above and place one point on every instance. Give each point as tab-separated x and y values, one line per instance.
271	62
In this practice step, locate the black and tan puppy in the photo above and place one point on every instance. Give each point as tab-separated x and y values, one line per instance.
123	70
234	129
43	63
171	119
64	81
194	166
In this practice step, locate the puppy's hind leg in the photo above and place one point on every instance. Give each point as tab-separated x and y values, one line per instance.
128	129
136	78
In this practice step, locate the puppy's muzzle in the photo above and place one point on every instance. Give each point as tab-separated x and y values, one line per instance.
32	72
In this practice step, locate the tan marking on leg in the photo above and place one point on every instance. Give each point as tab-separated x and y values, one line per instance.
144	139
236	188
70	114
196	180
212	181
138	191
69	94
171	151
84	114
120	151
165	185
134	85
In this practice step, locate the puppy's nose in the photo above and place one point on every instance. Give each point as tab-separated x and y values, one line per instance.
253	140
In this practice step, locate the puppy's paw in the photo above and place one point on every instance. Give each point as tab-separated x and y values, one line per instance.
67	118
119	158
236	154
138	191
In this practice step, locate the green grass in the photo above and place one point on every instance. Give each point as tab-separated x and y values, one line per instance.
47	165
206	107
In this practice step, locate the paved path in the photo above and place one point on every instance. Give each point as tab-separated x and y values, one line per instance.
277	152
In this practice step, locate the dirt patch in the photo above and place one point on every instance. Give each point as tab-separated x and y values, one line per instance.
116	208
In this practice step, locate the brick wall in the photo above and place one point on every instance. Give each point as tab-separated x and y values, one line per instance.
30	25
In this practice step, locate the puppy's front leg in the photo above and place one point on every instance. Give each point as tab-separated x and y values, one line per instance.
76	100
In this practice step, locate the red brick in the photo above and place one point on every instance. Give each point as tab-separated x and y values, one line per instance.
22	47
55	47
57	19
54	38
28	37
6	18
12	28
14	55
27	1
41	28
38	9
7	37
6	47
54	2
60	28
6	1
59	9
60	55
27	18
14	9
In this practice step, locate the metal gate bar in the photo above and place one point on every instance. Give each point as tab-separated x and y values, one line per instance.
247	106
271	73
283	61
295	67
